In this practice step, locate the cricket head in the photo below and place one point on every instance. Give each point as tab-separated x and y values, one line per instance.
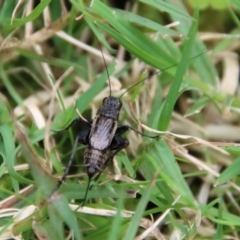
111	107
112	103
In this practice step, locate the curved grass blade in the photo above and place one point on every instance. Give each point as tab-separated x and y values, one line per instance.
172	96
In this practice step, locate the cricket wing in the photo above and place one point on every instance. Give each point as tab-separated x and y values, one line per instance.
103	130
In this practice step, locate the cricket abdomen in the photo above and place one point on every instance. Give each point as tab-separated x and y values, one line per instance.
94	160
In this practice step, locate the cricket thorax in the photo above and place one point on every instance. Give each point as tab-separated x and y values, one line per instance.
110	107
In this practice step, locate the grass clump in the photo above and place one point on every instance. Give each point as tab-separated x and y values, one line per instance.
182	185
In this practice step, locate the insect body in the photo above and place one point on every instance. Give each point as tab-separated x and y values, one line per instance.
102	137
104	140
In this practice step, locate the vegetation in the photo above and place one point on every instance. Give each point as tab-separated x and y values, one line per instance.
182	185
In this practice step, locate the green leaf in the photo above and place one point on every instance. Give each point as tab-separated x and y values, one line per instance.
171	98
227	219
4	113
9	155
41	175
62	208
144	22
164	6
64	118
36	12
200	4
170	170
96	87
7	83
52	61
230	172
219	5
135	221
127	164
115	229
197	106
130	37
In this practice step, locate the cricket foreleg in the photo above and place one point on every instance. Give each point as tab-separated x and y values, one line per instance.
82	138
86	124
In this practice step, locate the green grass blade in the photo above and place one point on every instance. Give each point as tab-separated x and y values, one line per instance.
172	96
66	214
13	92
117	221
33	15
9	154
140	21
134	224
164	6
170	170
202	65
42	177
49	60
230	172
131	38
87	96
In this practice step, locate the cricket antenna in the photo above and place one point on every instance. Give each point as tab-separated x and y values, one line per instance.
162	70
110	89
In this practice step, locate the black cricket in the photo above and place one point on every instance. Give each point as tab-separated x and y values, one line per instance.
102	136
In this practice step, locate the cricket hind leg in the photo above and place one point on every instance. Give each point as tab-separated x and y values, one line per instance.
118	143
82	138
